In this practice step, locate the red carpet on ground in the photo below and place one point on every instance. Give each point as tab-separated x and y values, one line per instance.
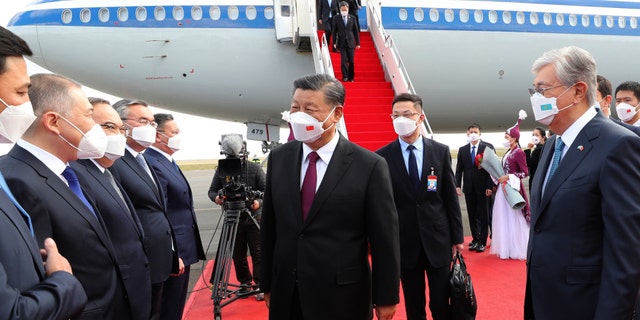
499	286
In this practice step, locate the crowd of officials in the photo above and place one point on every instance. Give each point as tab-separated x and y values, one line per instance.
96	187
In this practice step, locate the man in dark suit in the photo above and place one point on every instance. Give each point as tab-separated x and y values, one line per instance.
36	170
180	212
354	7
327	201
27	291
346	38
327	9
582	259
628	102
142	186
116	210
477	187
603	95
424	194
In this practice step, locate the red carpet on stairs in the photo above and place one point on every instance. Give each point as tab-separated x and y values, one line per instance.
499	286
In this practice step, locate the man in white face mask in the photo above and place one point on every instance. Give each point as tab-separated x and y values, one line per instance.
628	102
141	183
116	209
49	189
29	290
426	200
179	211
327	200
584	240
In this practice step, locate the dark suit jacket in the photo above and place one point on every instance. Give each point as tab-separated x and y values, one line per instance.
433	218
125	232
324	9
179	207
58	213
584	242
468	175
149	202
533	158
24	291
345	36
325	256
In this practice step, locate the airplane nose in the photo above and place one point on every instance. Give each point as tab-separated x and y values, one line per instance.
24	24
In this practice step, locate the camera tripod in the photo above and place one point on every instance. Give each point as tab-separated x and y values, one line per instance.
232	211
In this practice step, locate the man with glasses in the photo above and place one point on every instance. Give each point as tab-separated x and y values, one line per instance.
180	211
116	210
143	188
584	244
425	198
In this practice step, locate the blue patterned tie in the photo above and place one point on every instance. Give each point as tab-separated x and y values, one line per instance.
473	155
74	185
557	155
27	217
413	168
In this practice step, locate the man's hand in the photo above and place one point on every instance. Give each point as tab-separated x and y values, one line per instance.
319	21
385	312
255	205
180	268
218	200
488	192
459	246
358	47
459	191
267	299
53	260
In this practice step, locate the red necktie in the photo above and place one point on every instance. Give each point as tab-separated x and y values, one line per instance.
309	185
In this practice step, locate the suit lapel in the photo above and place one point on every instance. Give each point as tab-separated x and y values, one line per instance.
428	161
142	174
292	181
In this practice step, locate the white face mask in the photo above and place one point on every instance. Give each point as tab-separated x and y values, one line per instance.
144	135
535	140
404	126
506	143
14	121
545	109
344	13
306	128
473	137
93	143
115	146
174	142
626	112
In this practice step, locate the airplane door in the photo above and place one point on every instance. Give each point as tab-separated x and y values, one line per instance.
284	13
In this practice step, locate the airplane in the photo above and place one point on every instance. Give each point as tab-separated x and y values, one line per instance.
235	60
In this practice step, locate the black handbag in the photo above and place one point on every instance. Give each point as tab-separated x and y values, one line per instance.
462	297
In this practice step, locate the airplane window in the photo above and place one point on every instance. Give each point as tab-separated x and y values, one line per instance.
123	14
67	16
585	20
85	15
633	22
573	20
159	13
610	21
402	14
560	19
103	14
196	13
520	17
449	15
268	13
233	12
493	16
418	14
178	13
478	16
506	17
597	21
464	15
251	13
214	13
141	13
533	17
622	22
547	18
285	11
434	15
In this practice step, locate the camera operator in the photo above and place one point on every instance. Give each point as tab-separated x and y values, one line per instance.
248	233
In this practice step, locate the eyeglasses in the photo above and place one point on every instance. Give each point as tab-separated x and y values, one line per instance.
541	91
112	126
404	115
144	122
174	132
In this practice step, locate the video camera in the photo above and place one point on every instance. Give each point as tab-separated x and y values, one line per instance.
235	194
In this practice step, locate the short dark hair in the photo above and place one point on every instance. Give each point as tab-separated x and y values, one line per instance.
630	86
417	101
333	90
542	132
604	86
11	46
161	118
344	4
96	100
474	125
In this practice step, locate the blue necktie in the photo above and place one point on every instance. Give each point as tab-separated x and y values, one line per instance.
557	155
27	217
473	155
413	168
74	185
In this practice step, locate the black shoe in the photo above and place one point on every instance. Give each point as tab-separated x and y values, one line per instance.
345	79
473	246
480	248
244	291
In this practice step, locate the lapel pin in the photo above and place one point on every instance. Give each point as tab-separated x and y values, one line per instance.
580	147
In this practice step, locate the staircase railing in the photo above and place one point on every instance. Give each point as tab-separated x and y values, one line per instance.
392	64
